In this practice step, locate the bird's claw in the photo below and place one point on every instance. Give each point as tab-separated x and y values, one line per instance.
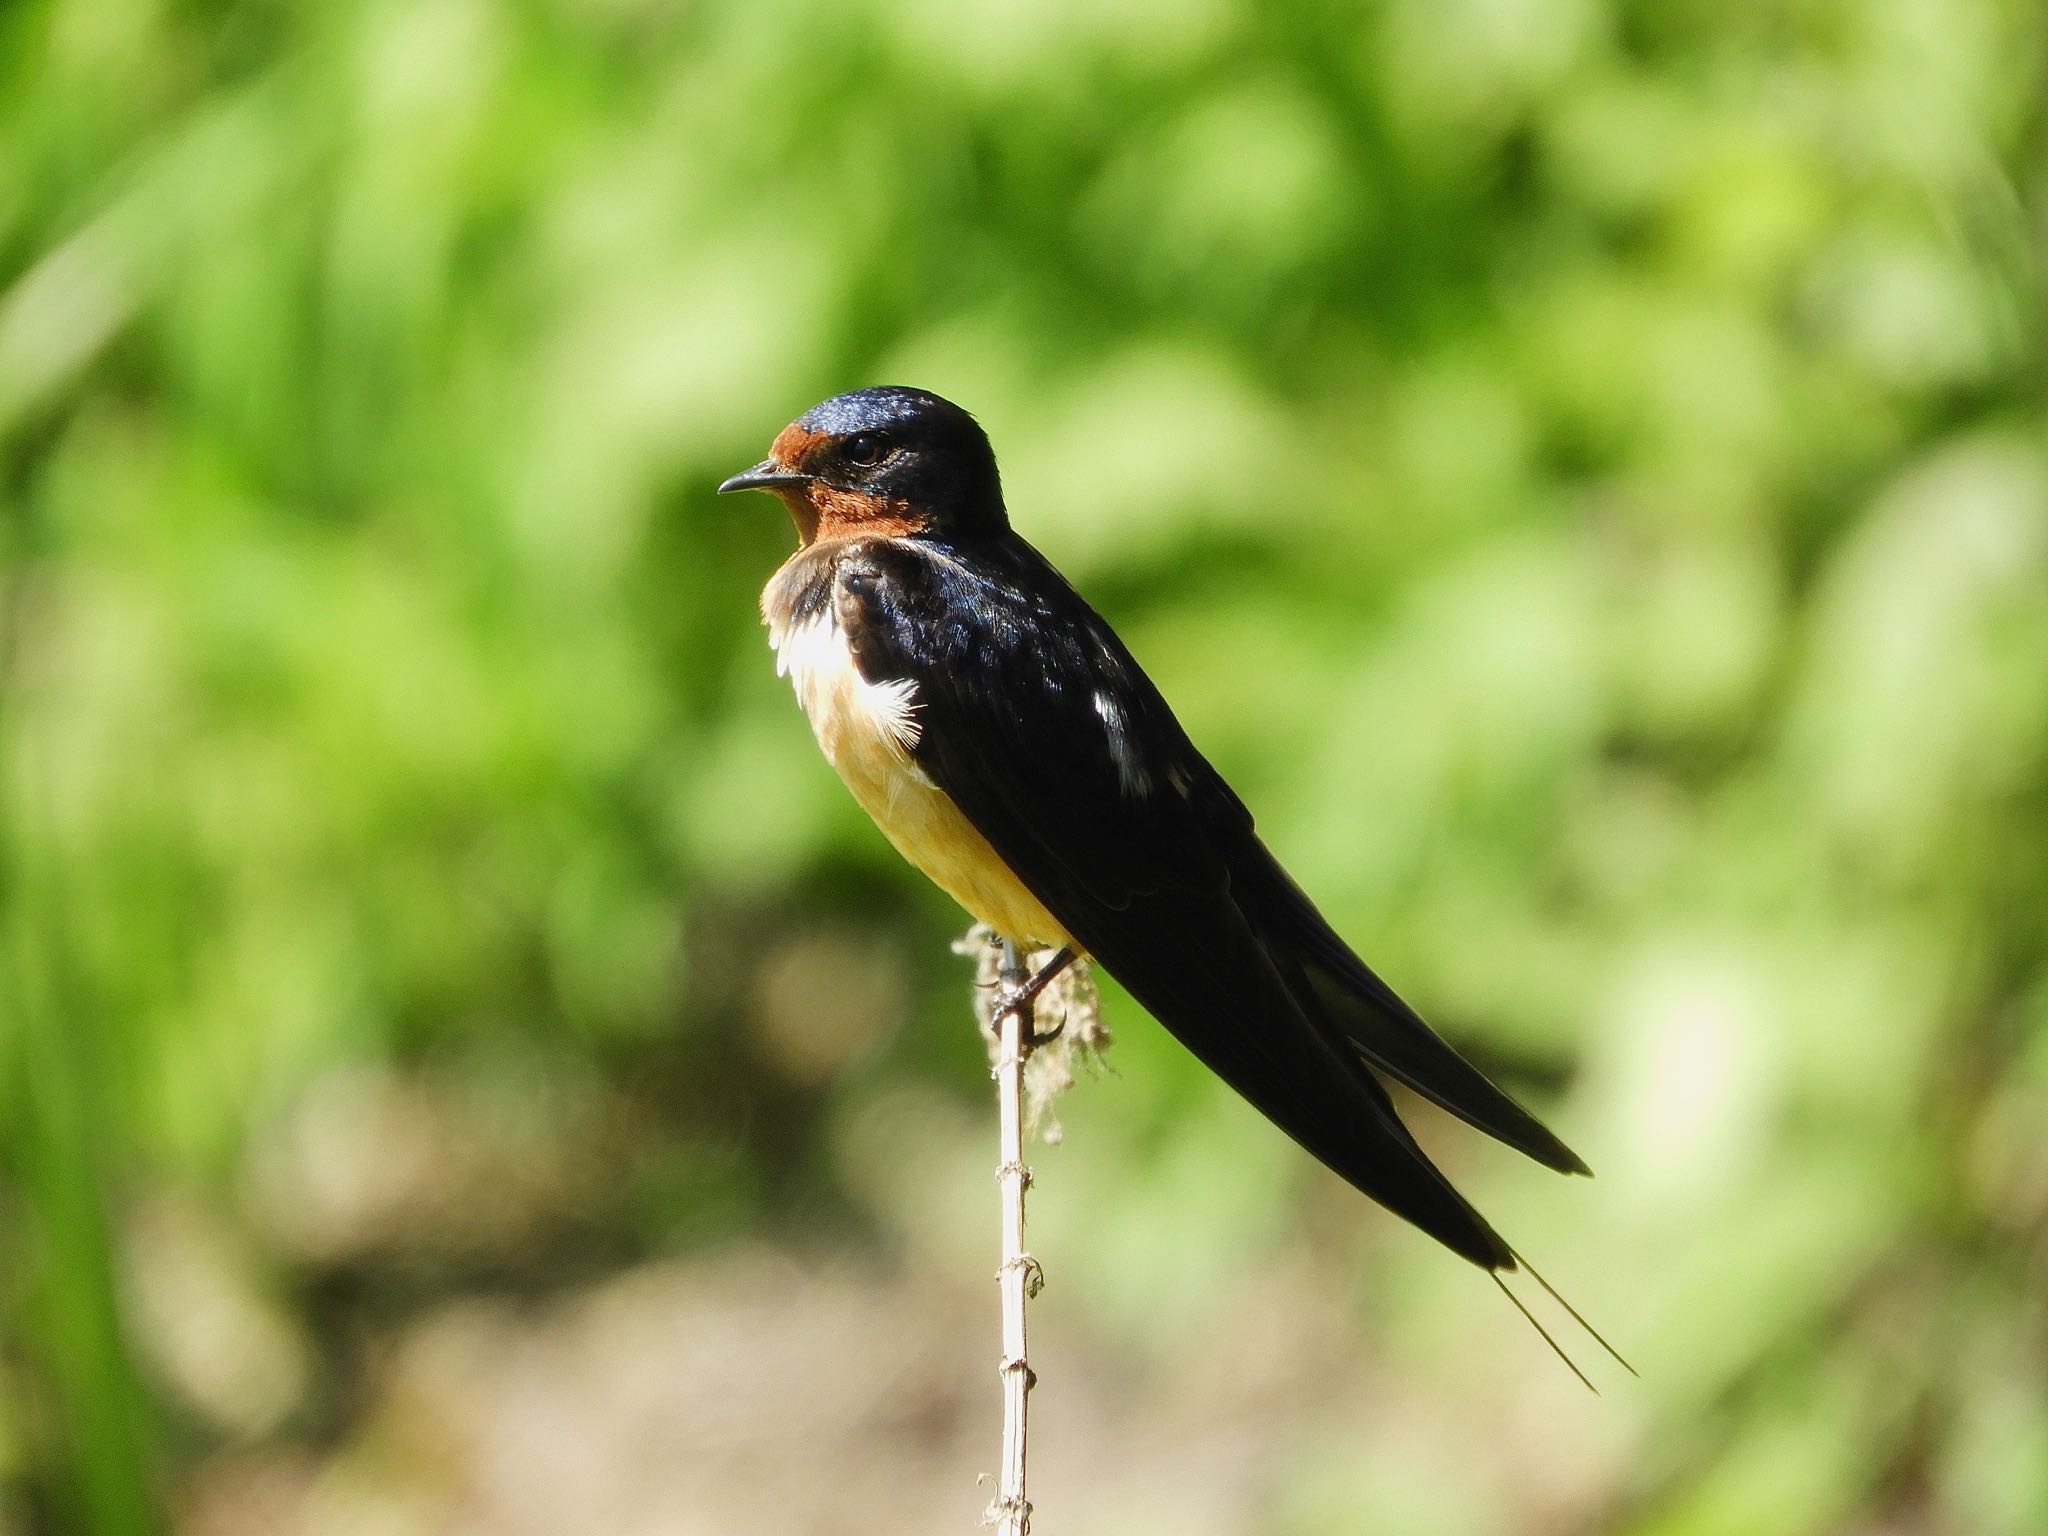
1019	997
1019	1000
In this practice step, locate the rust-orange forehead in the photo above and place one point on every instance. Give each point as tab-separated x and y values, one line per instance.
793	442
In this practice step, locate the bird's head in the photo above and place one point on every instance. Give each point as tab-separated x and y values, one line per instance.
890	461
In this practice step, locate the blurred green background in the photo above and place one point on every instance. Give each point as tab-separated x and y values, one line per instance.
465	1064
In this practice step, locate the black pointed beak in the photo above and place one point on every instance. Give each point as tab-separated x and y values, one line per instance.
764	476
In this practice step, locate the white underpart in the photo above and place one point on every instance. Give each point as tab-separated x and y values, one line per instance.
867	731
1130	768
860	715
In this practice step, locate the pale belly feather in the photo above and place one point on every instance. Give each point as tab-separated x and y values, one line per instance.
866	731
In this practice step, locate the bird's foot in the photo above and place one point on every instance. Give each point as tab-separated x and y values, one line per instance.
1019	997
1033	1037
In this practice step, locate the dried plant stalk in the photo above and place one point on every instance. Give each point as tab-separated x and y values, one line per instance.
1030	1070
1010	1511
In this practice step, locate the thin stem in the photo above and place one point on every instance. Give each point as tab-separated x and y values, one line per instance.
1010	1513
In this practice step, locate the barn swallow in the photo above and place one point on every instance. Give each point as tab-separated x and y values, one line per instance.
1003	738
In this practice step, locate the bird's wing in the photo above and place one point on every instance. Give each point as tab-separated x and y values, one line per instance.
1335	985
1036	722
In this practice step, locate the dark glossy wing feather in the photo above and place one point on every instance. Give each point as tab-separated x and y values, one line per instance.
1341	988
1038	724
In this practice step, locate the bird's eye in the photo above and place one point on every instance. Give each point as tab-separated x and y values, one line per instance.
866	448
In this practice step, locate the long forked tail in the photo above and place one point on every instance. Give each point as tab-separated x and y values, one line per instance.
1273	1015
1571	1311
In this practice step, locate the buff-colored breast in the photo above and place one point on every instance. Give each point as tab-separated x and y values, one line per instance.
866	731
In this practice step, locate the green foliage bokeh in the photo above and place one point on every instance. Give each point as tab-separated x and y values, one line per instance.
1578	469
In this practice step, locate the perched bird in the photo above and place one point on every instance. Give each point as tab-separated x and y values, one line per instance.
1005	741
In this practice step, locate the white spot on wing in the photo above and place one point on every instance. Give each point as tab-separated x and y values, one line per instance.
1130	768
